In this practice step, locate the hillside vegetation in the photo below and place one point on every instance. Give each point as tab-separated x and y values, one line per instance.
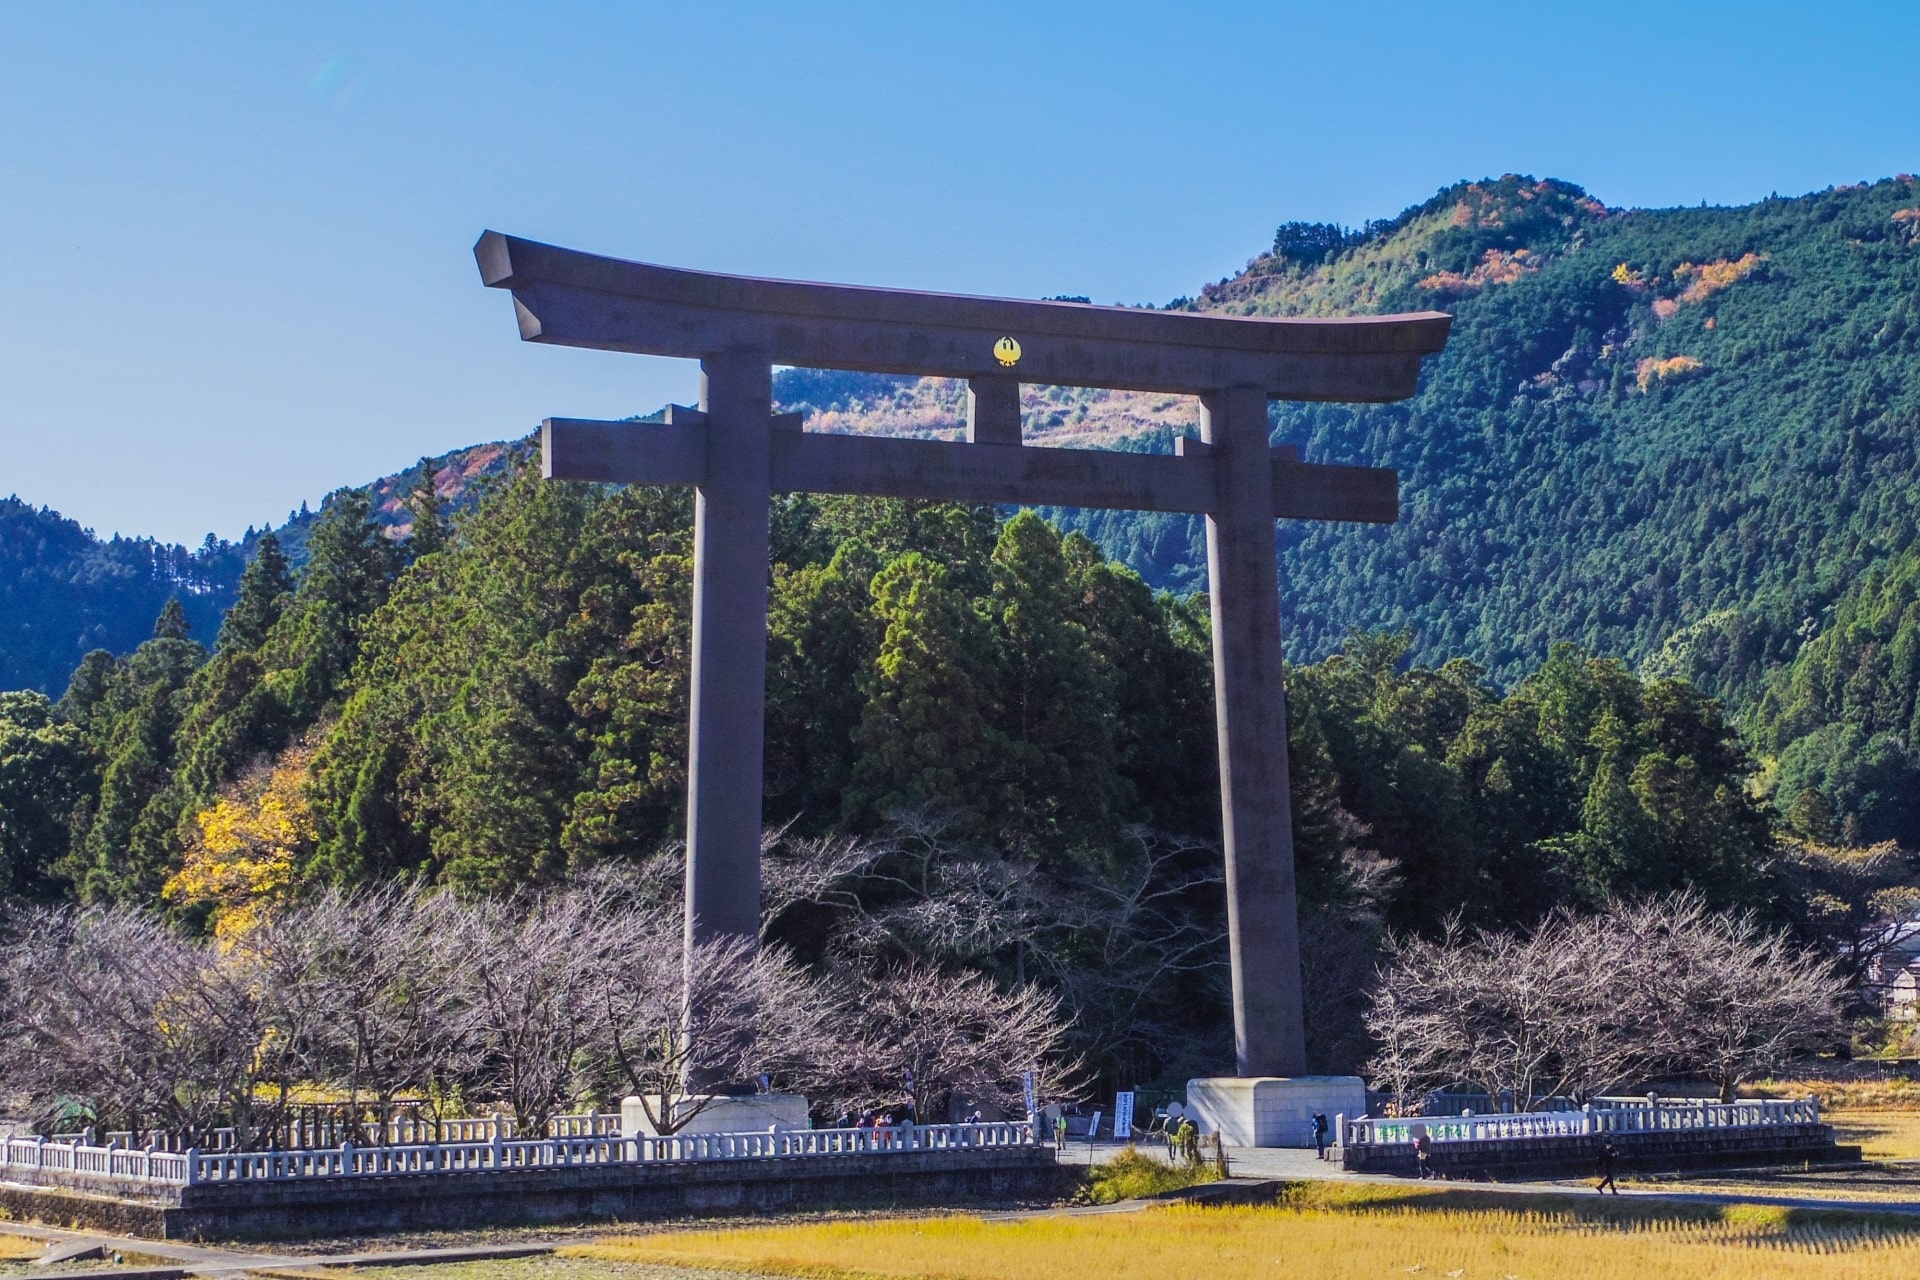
1685	437
1651	622
67	591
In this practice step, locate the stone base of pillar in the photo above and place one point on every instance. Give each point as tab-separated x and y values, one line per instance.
1273	1111
748	1113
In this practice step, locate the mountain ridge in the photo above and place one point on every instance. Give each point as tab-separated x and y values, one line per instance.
1684	437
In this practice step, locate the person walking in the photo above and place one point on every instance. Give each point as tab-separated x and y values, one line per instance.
1187	1139
1060	1133
1423	1152
1608	1154
1320	1135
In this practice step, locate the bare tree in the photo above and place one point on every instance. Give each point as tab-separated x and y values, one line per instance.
1411	1060
1583	1003
530	981
920	1032
370	994
932	898
1129	946
1860	906
1339	960
682	1022
1524	1016
1341	947
1727	998
824	871
147	1029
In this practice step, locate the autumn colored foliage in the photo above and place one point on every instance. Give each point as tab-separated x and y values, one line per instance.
1651	369
250	845
1497	267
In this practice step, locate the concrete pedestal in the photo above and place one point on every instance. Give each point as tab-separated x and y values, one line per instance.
750	1113
1273	1111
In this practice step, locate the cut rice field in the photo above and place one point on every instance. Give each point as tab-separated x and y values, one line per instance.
1321	1232
1882	1133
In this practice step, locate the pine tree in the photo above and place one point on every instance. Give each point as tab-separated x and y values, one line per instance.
1161	690
1054	781
822	638
87	694
129	845
350	568
927	734
431	528
172	622
265	588
45	770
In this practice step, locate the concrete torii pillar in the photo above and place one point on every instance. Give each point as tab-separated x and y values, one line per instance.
736	453
1250	719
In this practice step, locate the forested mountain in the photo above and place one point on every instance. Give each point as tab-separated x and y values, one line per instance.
1683	441
1005	735
67	592
1688	438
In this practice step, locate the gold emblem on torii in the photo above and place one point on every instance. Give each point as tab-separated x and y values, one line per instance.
1007	352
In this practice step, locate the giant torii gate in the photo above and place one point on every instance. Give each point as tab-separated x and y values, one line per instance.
736	452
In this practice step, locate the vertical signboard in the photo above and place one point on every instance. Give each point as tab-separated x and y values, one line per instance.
1123	1115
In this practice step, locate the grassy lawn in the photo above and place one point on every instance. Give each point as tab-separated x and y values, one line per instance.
1326	1232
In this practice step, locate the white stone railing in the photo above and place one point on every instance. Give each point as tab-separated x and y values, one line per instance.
401	1131
1658	1117
93	1162
192	1167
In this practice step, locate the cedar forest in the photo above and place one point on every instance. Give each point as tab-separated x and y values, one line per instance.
1650	621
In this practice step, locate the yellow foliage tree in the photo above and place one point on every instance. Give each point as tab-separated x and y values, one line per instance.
1709	278
249	845
1672	367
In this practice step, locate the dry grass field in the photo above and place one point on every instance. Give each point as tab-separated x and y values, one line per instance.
1882	1116
1325	1232
1882	1133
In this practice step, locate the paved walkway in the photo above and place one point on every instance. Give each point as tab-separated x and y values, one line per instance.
1251	1166
184	1260
1250	1162
1256	1171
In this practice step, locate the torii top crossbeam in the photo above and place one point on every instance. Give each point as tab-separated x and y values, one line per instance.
737	452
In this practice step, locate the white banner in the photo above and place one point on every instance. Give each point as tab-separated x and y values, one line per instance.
1123	1115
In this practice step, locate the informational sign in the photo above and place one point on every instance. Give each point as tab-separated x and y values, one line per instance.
1123	1115
1026	1089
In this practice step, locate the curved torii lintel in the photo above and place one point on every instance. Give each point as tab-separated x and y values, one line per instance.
579	299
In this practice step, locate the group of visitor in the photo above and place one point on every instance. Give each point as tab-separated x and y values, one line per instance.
882	1119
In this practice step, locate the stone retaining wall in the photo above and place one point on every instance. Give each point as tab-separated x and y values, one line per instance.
1579	1155
627	1192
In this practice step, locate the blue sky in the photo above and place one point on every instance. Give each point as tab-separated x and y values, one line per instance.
238	236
